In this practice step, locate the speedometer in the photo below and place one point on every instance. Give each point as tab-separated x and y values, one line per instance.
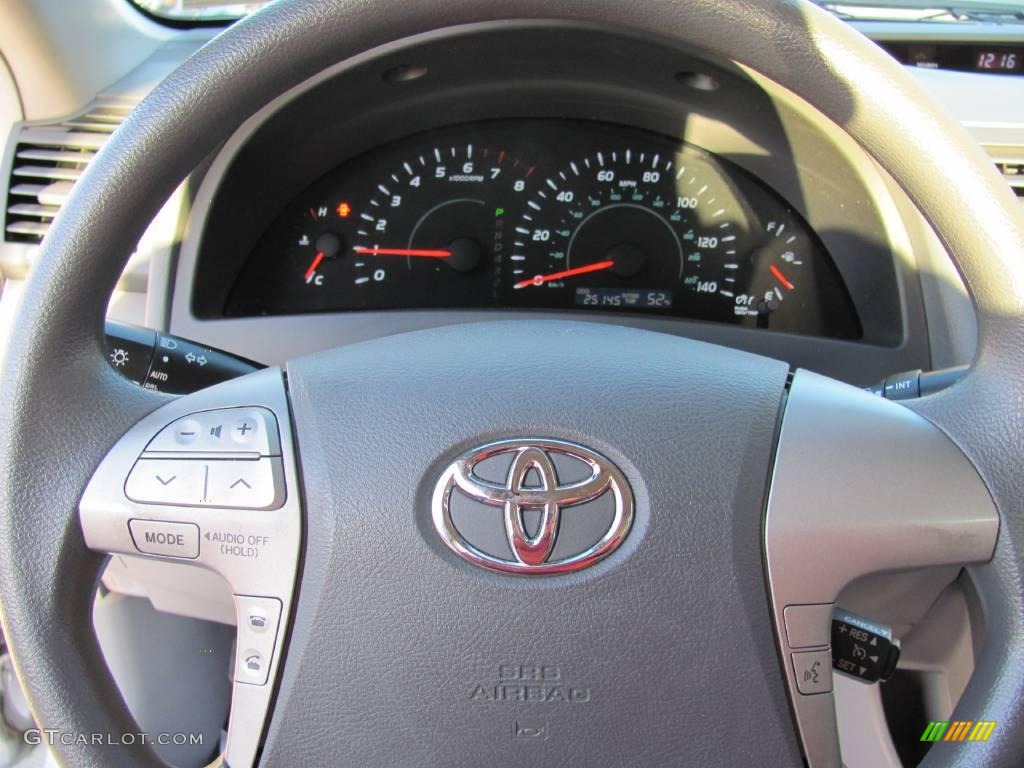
633	228
628	219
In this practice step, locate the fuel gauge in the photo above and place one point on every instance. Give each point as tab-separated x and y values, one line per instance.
776	268
785	283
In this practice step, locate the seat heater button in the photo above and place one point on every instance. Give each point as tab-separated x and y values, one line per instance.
813	671
155	537
166	481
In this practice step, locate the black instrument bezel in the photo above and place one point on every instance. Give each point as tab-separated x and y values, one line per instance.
528	69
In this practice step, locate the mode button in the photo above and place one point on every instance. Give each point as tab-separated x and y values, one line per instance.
155	537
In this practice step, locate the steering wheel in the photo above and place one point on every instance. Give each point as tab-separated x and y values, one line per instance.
746	494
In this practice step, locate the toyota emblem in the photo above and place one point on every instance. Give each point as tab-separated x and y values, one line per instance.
532	506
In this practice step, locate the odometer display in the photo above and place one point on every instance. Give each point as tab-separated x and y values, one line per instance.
623	298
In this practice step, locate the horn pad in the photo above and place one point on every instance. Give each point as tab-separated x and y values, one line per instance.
405	652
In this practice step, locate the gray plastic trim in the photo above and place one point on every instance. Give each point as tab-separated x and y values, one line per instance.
268	564
861	485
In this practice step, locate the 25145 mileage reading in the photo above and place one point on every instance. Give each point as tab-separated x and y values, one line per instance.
623	298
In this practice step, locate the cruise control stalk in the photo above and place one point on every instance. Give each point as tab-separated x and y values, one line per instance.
863	649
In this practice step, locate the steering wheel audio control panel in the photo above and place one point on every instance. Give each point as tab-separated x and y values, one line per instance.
211	479
223	458
546	214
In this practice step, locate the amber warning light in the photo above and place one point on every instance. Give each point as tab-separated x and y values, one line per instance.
344	209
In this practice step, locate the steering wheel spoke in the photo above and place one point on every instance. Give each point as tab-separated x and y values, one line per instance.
861	485
210	479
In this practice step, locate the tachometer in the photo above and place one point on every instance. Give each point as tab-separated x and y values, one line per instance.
437	221
422	226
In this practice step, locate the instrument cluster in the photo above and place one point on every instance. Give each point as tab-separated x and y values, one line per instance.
547	214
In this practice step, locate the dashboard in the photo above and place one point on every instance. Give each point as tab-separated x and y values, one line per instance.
546	214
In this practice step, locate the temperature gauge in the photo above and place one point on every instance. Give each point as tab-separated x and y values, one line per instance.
304	258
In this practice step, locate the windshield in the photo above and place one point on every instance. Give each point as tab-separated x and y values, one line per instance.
199	10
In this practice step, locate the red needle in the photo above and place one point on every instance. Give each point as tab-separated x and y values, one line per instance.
780	277
541	279
316	263
427	253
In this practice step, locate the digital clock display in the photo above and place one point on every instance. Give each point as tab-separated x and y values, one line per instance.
998	61
990	59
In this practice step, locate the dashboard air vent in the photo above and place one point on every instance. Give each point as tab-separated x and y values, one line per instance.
1013	172
1009	161
47	161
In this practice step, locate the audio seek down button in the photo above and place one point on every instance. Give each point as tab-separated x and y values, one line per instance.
156	537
